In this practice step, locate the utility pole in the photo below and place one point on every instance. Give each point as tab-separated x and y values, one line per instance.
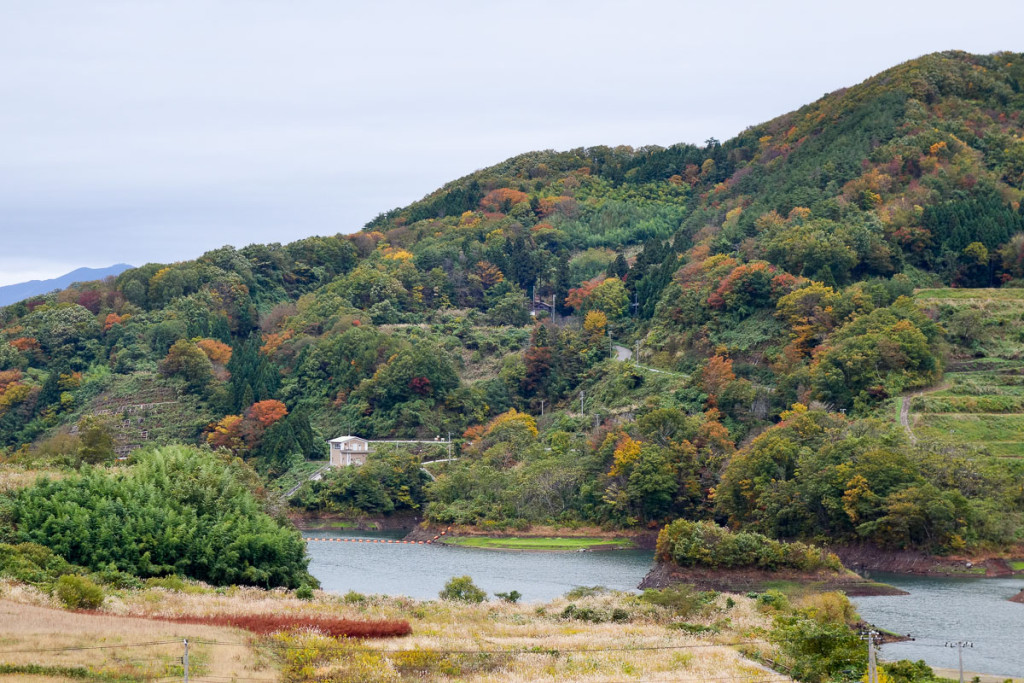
542	402
636	357
872	664
581	404
184	661
960	645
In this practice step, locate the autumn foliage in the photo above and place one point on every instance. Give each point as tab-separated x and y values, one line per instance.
239	434
266	413
219	353
716	374
502	199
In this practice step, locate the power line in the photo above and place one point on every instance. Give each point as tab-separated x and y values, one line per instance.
531	651
89	647
765	677
344	648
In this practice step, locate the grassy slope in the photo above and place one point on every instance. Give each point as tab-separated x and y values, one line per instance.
981	402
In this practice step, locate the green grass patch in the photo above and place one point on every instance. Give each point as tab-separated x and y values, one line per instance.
969	571
969	404
539	543
979	429
73	672
298	474
1017	565
342	525
961	294
1006	449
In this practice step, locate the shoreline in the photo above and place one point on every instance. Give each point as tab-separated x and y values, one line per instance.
861	559
663	575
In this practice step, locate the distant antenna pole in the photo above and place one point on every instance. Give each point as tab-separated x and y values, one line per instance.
960	645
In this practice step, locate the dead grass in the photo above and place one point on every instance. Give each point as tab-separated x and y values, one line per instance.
13	478
493	641
108	645
265	624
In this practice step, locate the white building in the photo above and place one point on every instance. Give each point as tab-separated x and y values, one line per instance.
348	450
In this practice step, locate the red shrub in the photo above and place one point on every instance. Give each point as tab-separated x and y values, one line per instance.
269	623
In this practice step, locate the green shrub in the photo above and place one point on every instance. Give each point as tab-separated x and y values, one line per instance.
511	596
78	592
683	599
694	629
905	671
304	592
816	651
462	589
595	615
172	583
772	600
214	528
705	544
585	592
33	563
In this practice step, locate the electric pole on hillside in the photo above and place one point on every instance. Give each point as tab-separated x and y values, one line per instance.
960	645
872	664
184	661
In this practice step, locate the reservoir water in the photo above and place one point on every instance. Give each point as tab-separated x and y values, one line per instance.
420	571
938	610
941	610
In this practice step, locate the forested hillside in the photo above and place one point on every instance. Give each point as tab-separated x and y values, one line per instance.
767	282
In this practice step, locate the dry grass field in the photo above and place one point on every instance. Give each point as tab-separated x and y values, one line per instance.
127	641
13	478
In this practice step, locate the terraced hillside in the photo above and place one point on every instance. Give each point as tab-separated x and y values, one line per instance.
981	400
141	409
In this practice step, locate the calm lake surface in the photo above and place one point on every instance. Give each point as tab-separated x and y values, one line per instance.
936	611
420	571
940	610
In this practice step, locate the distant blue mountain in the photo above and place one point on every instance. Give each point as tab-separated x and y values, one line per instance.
10	294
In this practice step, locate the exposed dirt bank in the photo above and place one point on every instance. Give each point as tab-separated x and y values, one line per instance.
663	575
642	538
333	522
1019	597
861	558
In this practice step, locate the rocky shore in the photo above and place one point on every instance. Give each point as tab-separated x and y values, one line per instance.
663	575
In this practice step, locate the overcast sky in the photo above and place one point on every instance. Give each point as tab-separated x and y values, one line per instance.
153	131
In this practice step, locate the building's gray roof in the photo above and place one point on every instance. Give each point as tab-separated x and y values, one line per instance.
347	437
